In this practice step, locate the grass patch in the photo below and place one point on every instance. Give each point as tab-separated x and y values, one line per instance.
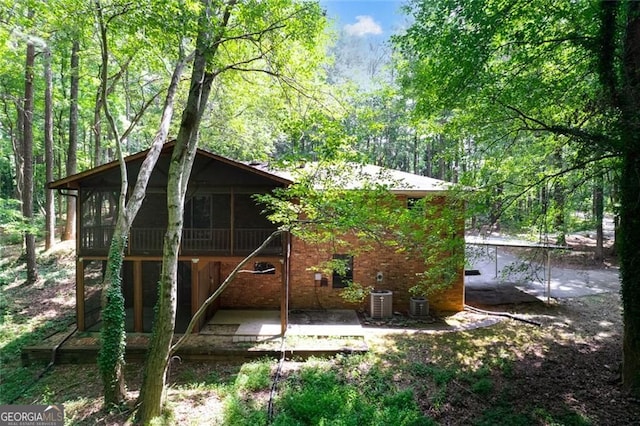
483	386
243	395
318	395
500	415
254	376
243	411
440	376
565	418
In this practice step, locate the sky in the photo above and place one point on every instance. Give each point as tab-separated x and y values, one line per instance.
366	18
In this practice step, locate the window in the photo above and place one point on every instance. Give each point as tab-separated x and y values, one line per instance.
199	215
99	208
248	213
208	211
413	202
343	270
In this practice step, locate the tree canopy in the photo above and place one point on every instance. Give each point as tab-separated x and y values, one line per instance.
539	95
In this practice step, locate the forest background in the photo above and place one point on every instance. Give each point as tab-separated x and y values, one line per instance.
531	105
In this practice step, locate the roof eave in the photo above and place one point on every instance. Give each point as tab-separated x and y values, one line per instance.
73	181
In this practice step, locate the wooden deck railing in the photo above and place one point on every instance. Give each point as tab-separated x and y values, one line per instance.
148	241
247	240
145	241
206	240
95	238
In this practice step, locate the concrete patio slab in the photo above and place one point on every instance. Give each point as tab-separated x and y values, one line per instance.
332	322
257	325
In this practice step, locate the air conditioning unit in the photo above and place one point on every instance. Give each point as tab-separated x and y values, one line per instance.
381	304
418	307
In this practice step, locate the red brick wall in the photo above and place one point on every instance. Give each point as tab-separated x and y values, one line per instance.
304	292
251	291
398	270
399	274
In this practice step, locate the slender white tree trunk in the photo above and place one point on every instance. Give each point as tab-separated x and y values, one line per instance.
50	214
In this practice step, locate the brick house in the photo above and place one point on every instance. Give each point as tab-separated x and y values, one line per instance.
222	225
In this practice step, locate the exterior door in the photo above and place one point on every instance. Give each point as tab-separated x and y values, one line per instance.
208	282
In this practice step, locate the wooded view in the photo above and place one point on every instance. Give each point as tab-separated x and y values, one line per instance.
529	111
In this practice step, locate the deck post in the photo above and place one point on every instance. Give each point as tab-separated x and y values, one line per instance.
232	224
284	292
195	292
138	305
80	294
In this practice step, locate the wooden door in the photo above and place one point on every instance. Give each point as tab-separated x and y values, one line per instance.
208	282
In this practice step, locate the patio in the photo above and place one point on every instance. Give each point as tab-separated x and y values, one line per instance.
259	325
229	335
236	335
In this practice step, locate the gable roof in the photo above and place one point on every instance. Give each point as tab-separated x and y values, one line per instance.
357	174
72	182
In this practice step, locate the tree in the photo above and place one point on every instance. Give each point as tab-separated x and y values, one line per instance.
492	70
598	213
72	148
242	37
492	104
138	69
155	370
27	163
624	97
39	24
50	215
112	336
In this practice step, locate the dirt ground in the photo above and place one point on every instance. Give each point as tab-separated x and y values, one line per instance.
582	347
574	362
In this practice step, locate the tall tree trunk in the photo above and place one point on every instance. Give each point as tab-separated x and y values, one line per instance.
72	158
152	392
496	208
27	150
614	199
630	201
428	158
598	210
127	106
441	163
155	369
97	130
415	152
558	201
111	355
112	330
630	270
18	155
50	214
154	379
